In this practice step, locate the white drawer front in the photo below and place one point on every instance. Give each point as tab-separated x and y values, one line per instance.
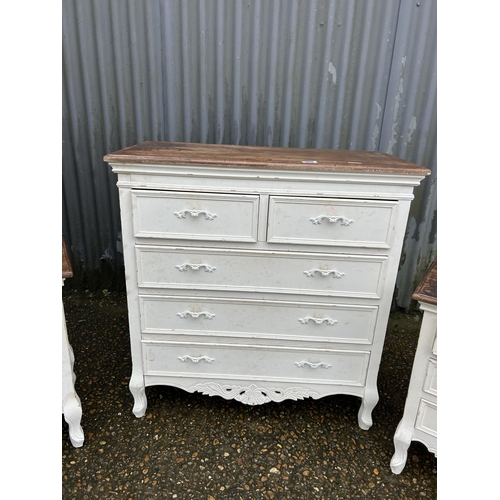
274	272
255	363
335	222
430	382
435	346
262	319
427	417
195	216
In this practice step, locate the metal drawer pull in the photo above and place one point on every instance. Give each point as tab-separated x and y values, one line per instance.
301	364
318	321
195	213
195	267
324	272
331	218
195	315
195	360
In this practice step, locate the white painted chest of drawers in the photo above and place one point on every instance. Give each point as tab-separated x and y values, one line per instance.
260	274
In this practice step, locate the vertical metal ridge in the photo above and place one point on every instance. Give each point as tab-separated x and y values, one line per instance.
325	101
302	76
271	81
186	74
254	80
288	111
203	80
219	73
236	55
342	73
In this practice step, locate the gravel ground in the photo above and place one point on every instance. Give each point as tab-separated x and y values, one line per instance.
190	446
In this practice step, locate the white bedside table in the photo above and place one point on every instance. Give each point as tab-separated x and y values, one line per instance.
71	405
419	422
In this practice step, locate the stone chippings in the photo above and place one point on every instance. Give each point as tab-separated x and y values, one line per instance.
190	446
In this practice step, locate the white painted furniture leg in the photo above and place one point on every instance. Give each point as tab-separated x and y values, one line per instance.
402	440
368	403
138	390
71	405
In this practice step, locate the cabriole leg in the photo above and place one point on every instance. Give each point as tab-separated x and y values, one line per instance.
71	404
368	403
73	416
138	391
402	440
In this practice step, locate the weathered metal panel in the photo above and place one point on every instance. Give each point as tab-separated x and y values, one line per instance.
409	130
297	73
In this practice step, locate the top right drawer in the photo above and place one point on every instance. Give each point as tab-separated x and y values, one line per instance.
331	221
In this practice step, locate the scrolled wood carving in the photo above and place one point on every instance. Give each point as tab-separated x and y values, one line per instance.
252	394
195	213
344	221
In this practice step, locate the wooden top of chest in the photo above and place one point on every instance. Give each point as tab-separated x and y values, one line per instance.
327	160
67	271
426	291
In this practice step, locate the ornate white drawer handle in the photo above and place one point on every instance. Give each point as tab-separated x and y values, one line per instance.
195	213
301	364
195	315
324	272
331	218
195	267
195	360
318	321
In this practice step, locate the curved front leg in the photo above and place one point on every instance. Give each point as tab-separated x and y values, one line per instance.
402	440
138	390
72	410
368	403
71	404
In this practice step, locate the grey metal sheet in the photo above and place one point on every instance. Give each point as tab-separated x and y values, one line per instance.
341	74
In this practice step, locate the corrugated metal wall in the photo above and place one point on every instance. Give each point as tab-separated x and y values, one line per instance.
344	74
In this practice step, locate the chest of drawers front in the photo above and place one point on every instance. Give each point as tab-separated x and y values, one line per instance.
258	283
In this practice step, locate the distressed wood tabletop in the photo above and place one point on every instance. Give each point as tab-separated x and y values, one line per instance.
181	153
67	271
426	291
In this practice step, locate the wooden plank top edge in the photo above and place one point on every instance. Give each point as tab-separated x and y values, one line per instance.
67	271
328	160
426	291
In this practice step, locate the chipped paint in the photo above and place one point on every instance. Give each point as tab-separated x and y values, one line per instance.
413	126
397	101
376	128
333	71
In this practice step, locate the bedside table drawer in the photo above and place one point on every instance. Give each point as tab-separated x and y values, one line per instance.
427	417
257	319
334	222
430	382
195	216
252	271
251	362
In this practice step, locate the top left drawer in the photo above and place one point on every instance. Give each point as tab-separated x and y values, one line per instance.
195	216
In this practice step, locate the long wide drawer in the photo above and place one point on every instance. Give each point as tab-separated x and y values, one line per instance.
195	216
259	363
274	272
257	318
334	222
